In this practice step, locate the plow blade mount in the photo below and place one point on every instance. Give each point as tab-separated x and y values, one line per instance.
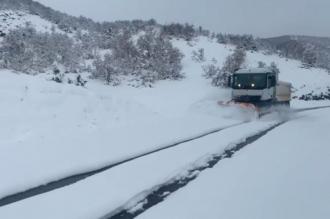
242	105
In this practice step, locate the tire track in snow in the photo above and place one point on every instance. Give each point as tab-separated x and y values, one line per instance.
310	109
158	194
295	110
69	180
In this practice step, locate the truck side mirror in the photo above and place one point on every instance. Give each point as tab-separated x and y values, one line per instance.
273	81
229	81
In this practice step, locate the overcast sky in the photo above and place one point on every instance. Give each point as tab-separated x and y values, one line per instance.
259	17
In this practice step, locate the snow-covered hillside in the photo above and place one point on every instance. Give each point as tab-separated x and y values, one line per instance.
303	80
49	131
12	19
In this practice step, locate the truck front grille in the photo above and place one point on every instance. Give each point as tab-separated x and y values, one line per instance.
249	99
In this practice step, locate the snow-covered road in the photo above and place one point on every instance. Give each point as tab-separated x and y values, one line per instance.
69	180
105	192
127	185
283	175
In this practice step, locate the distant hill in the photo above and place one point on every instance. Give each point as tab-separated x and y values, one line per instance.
313	51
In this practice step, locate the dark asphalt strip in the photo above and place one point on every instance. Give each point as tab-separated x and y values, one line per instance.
159	194
41	189
309	109
284	110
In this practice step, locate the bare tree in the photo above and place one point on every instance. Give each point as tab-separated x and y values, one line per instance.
261	64
232	64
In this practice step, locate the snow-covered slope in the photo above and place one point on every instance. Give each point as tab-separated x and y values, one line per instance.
303	80
11	19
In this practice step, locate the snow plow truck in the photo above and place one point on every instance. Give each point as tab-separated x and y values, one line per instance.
259	89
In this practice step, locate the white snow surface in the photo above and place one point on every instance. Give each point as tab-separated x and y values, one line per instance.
282	175
49	131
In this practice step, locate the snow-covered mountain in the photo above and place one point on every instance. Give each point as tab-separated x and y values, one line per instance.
49	131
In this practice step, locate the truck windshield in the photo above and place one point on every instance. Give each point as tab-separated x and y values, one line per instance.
250	81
